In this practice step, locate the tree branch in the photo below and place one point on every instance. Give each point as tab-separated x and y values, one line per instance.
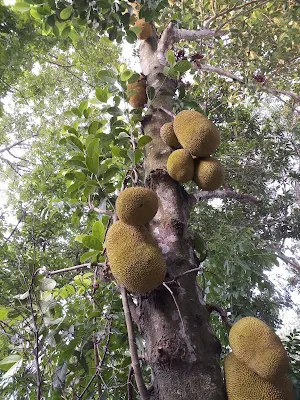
129	384
17	143
222	313
208	22
228	74
132	347
80	266
224	194
288	260
172	35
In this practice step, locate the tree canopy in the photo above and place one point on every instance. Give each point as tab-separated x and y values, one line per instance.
70	143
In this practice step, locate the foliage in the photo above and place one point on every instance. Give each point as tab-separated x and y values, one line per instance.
89	145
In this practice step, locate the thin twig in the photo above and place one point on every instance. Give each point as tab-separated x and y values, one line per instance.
199	269
61	271
207	23
98	369
132	348
129	384
17	143
101	211
176	304
15	228
167	112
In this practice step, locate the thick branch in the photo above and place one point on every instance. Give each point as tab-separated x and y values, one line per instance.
132	347
221	312
224	194
172	35
228	74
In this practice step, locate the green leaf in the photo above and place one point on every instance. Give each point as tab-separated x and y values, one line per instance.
94	126
150	91
144	140
21	7
126	74
89	255
35	14
102	95
92	242
47	284
182	66
92	156
75	142
171	57
130	37
111	172
134	78
83	105
66	13
65	32
12	359
107	76
98	230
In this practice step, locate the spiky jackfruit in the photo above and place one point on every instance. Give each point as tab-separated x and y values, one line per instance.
139	98
244	384
168	135
255	344
146	27
209	173
135	259
136	205
196	133
180	166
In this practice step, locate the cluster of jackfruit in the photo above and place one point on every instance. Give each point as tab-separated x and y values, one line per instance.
135	259
257	368
136	93
195	137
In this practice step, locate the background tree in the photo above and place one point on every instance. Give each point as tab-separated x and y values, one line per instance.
210	58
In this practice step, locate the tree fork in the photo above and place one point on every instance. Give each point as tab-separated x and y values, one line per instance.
184	362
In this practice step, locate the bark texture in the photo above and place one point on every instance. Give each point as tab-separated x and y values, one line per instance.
180	348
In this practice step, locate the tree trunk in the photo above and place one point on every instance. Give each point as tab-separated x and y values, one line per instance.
180	347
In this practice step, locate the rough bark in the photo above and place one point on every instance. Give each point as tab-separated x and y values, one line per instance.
184	359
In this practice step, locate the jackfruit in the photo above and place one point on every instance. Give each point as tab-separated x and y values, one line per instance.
196	133
244	384
209	173
255	344
136	205
180	166
168	135
146	27
139	98
135	259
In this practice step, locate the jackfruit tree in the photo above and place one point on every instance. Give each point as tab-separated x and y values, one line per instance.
203	104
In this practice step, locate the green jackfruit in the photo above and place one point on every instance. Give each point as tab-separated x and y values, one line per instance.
180	166
244	384
135	259
209	173
146	27
136	205
168	135
255	344
196	133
